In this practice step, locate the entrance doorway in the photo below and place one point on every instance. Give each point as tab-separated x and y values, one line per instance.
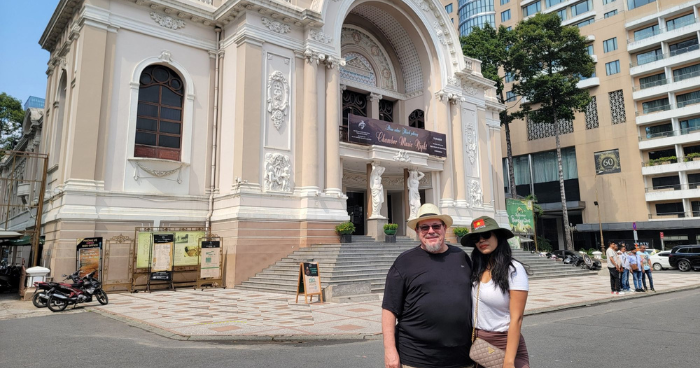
356	210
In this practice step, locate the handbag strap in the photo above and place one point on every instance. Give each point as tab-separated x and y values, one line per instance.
476	312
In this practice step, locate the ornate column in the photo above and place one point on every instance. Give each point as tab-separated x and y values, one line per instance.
373	99
446	180
309	179
333	167
458	151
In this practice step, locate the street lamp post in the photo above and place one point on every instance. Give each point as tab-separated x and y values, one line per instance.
597	204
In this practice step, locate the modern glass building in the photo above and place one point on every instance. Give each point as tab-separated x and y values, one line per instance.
475	13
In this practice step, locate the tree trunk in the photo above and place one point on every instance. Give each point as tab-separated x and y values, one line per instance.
564	211
511	167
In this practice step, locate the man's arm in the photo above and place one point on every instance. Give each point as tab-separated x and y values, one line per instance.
391	355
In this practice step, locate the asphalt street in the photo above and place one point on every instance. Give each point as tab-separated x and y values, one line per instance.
659	331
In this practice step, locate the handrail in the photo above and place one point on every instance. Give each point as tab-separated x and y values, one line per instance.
672	186
657	57
661	30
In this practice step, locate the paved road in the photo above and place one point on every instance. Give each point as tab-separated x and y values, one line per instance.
660	331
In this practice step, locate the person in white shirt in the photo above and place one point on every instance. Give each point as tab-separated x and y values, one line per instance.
499	291
613	268
625	264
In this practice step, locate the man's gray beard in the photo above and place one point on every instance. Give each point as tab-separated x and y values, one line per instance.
432	248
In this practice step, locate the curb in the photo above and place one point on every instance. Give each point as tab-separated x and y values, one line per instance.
349	337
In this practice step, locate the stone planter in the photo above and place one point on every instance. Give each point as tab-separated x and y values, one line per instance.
390	238
346	238
390	232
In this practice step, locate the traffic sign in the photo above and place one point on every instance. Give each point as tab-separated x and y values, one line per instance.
662	235
634	226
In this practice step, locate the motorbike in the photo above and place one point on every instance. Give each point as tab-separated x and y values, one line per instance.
61	296
9	277
42	289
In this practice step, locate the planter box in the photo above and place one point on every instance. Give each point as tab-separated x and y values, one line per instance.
346	238
389	238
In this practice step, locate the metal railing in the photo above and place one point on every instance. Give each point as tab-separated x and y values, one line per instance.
663	188
660	30
655	83
684	76
687	102
669	133
649	110
670	215
657	57
657	163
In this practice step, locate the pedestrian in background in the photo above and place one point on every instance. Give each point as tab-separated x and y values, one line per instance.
625	264
636	267
646	269
613	268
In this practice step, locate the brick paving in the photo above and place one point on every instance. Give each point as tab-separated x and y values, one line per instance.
242	314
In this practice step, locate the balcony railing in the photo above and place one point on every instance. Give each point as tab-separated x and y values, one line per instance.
660	30
658	162
649	110
655	83
689	130
671	187
668	107
657	57
669	133
688	102
670	215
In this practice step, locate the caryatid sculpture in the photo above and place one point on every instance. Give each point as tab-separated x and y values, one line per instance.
375	180
414	178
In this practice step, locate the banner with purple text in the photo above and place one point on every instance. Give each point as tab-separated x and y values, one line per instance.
372	131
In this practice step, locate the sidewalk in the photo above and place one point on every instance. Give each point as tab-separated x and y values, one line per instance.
231	314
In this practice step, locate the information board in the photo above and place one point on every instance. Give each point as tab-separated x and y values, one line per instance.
187	248
162	257
89	256
210	259
144	245
309	282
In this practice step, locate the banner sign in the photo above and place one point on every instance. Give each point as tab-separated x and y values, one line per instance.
89	256
607	162
211	259
520	216
309	281
162	257
372	131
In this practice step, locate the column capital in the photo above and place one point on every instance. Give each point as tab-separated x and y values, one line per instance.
314	57
374	97
333	61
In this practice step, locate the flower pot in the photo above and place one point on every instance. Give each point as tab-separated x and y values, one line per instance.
390	232
459	239
346	238
390	238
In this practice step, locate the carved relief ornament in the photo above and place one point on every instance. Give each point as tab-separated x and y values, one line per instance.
167	21
277	98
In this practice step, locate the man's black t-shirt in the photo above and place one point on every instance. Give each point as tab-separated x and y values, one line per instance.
430	295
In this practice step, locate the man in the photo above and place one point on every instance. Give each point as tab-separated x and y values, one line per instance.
625	266
635	267
613	268
646	269
428	290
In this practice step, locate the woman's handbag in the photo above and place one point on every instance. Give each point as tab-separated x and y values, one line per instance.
482	352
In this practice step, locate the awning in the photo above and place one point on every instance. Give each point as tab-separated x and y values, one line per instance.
23	241
4	234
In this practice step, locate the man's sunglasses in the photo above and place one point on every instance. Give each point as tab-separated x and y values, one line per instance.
474	238
426	228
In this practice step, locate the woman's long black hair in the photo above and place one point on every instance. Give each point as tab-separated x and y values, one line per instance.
501	262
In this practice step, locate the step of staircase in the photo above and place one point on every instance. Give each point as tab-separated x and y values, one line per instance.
368	261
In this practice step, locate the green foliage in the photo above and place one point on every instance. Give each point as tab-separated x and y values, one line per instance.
391	227
588	251
543	245
663	159
548	60
345	228
691	156
536	208
11	116
460	231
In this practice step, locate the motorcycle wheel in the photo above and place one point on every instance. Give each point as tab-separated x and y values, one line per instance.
102	297
56	304
39	300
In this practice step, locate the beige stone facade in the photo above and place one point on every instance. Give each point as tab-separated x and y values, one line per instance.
635	65
229	114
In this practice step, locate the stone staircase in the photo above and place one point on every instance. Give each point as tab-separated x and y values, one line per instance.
367	261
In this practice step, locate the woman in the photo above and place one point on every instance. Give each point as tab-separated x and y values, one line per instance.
501	283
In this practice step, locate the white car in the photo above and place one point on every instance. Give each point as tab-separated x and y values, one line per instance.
660	260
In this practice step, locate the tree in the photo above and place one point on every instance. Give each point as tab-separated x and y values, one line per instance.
550	59
491	46
11	116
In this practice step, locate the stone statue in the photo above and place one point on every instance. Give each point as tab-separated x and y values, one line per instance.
375	184
414	178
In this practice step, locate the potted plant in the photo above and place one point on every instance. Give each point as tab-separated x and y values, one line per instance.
663	160
460	232
345	231
390	232
695	156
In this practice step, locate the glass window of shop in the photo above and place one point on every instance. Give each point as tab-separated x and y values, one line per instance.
546	175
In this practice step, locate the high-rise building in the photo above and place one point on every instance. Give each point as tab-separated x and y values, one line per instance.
629	160
476	13
34	101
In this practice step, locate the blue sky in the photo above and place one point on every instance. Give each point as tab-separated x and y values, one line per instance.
22	60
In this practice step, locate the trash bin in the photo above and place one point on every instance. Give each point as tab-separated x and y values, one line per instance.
36	274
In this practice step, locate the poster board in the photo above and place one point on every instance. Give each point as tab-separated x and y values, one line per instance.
187	248
520	216
144	245
162	257
210	262
89	256
309	282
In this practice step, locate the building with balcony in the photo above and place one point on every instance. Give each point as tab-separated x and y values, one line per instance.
233	116
644	120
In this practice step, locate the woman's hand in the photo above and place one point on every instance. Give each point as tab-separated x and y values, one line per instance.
508	365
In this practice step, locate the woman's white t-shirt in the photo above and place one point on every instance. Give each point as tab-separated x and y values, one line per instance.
494	306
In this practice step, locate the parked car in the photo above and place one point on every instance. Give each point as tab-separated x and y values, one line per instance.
660	260
685	257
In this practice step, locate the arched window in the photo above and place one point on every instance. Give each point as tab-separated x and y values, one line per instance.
386	110
417	119
159	114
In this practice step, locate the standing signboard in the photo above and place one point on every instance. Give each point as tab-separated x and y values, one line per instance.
90	256
162	258
309	282
210	262
187	248
520	216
